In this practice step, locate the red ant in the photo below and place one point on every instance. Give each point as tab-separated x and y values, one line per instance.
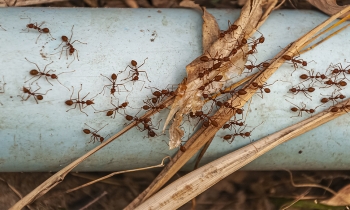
217	78
255	43
181	147
263	88
231	123
94	136
343	107
114	86
69	46
81	102
338	69
296	90
294	61
333	98
114	111
36	27
37	96
311	75
136	72
38	73
148	105
302	109
231	137
339	84
205	118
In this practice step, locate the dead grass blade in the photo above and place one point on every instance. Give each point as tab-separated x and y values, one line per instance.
187	187
115	173
204	134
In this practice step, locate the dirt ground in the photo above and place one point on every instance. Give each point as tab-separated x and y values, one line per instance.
242	190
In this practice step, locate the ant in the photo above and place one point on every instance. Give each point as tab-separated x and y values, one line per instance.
231	123
296	90
36	27
205	118
263	88
333	98
181	146
302	109
94	136
231	137
37	96
38	73
113	80
331	82
114	111
338	69
217	78
255	43
81	102
336	108
136	72
295	61
69	47
311	75
148	105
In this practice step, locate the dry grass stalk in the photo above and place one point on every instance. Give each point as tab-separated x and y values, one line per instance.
118	172
189	186
204	134
59	176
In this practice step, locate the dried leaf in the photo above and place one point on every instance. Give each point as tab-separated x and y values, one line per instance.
190	4
329	7
342	198
210	30
231	46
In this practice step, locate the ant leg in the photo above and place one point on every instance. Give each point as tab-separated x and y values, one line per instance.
78	41
72	60
146	75
104	89
81	109
58	46
2	28
71	33
142	63
38	38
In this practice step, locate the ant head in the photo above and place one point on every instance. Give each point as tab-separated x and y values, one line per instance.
199	113
255	84
293	90
311	89
204	58
147	120
25	90
324	100
125	104
89	102
342	96
334	109
162	106
101	139
218	77
129	118
154	100
39	97
219	104
157	93
303	76
226	126
239	111
242	92
135	78
214	123
71	50
267	90
64	38
312	110
54	76
114	76
342	83
206	124
69	102
182	148
287	57
145	107
244	41
261	39
109	113
86	131
151	133
304	63
227	137
133	63
34	72
30	25
247	134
